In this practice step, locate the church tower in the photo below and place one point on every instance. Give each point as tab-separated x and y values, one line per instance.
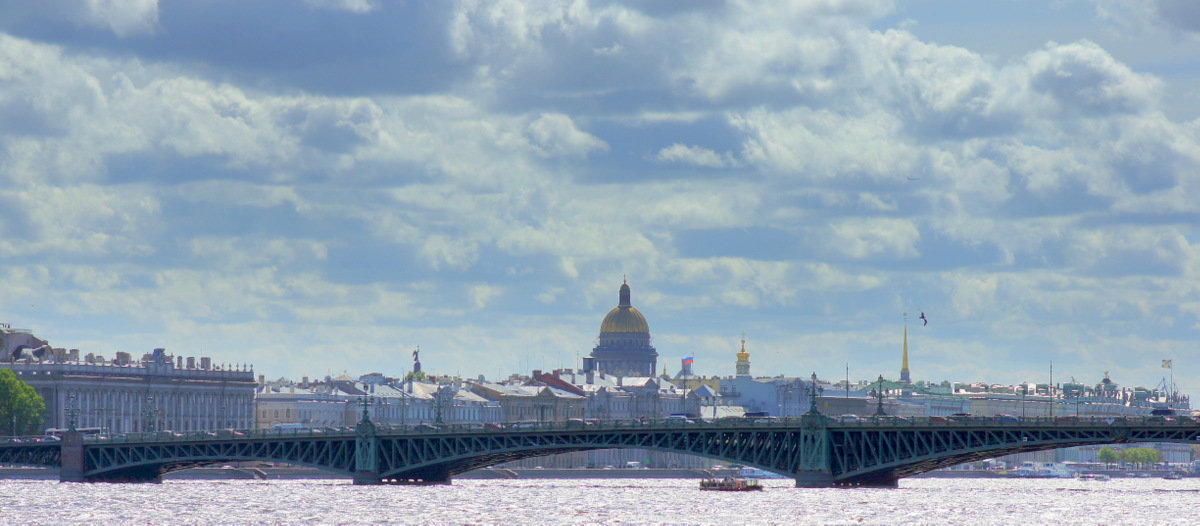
904	376
743	360
624	347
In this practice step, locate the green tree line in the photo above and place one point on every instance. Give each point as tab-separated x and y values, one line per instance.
1136	455
21	407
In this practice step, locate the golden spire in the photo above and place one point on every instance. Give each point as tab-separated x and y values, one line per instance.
742	367
904	376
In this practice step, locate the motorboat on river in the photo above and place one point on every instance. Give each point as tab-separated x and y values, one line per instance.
730	484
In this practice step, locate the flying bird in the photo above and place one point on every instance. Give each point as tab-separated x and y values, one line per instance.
924	319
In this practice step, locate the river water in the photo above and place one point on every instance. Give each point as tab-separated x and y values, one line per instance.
600	501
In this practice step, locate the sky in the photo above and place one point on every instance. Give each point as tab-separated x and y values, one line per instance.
321	186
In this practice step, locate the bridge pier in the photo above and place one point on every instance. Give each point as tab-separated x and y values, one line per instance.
814	479
432	475
71	469
367	478
820	479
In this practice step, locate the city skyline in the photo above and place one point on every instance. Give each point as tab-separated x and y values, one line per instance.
323	186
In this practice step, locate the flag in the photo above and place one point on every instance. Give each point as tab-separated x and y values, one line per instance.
687	361
1166	364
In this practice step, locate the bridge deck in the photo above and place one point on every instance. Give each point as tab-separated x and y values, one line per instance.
816	451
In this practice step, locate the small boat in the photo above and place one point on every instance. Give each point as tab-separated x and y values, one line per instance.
1092	476
730	484
1174	475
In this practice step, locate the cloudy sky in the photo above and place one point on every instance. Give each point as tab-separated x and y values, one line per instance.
321	186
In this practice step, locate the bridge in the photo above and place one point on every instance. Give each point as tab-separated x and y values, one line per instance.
814	450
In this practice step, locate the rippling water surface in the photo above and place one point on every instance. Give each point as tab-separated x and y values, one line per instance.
600	501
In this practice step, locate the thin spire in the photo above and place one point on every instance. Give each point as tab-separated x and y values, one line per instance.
904	375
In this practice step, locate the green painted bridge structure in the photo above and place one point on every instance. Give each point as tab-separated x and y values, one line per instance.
814	450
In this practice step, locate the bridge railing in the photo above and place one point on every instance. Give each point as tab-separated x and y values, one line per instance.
1006	420
666	423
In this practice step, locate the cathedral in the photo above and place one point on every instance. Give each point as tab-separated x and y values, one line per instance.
624	348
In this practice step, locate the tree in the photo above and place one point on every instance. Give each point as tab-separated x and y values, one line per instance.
1107	455
1141	456
21	407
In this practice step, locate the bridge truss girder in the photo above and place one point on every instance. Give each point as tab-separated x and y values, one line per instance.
117	462
428	458
817	452
45	455
882	456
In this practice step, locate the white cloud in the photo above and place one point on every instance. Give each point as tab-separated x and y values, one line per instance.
482	294
556	135
694	155
866	238
123	17
353	6
552	147
86	220
1083	79
1143	15
440	251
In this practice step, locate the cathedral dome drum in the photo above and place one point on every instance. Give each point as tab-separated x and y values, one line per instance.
624	345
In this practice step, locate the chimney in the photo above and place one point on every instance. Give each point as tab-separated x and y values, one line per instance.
304	382
262	379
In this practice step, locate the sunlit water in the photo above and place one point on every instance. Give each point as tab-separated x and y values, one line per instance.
600	501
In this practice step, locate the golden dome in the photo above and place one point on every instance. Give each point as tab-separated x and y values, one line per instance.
624	318
742	355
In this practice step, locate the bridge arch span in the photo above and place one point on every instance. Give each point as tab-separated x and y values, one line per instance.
860	455
815	451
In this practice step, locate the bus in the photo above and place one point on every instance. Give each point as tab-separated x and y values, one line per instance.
87	432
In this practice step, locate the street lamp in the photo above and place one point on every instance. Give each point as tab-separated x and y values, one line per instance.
879	397
148	414
812	397
1024	391
72	410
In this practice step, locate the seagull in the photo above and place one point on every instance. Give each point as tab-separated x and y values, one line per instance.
924	319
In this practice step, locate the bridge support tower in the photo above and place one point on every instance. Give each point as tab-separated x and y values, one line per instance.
366	448
72	457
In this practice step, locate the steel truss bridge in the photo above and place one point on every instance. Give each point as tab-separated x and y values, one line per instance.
814	450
